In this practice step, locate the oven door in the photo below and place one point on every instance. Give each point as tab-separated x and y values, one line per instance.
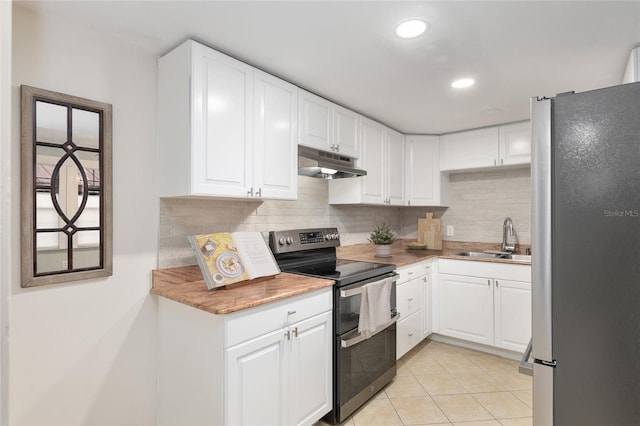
364	365
363	368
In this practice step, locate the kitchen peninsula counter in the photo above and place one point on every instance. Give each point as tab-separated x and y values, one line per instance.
185	284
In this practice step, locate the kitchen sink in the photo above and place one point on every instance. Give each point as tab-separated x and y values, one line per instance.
517	257
479	254
485	255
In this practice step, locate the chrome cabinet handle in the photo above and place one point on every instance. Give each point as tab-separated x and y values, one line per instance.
295	332
288	334
259	192
250	192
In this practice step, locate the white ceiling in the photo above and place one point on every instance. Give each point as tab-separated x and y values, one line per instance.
346	50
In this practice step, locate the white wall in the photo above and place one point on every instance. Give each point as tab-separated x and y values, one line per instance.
84	353
6	252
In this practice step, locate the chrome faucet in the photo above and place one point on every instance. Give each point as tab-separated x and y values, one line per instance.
507	225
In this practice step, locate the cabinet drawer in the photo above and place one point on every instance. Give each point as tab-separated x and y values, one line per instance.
408	334
410	272
408	297
254	322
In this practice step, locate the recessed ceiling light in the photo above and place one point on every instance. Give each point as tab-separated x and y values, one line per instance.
411	28
462	83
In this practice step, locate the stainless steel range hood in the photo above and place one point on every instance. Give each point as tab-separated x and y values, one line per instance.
326	165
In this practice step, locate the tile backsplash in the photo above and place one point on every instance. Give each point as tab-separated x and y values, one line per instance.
479	203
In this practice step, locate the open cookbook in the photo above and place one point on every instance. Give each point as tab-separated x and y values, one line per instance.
226	258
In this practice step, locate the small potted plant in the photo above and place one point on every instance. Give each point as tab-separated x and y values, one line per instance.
382	236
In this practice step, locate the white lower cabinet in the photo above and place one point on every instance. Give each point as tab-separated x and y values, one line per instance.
512	313
268	365
427	310
487	303
281	378
466	308
413	302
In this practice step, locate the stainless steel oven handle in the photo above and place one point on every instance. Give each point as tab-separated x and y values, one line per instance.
359	337
358	290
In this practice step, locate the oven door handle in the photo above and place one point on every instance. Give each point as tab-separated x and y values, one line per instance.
358	290
359	337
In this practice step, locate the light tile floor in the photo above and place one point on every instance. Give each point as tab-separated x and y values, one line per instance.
440	384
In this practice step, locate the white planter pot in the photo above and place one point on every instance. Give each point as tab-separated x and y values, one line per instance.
383	250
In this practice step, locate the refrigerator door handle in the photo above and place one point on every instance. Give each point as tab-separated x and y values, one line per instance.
541	225
526	367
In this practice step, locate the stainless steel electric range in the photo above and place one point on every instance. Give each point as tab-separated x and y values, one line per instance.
362	365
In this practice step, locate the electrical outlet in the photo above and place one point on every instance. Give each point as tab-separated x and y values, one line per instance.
449	230
65	264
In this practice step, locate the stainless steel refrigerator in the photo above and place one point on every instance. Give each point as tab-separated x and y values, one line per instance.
586	257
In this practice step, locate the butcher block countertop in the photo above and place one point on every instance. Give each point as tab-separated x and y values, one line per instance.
185	284
402	256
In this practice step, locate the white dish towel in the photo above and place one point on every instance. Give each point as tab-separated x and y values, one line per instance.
375	306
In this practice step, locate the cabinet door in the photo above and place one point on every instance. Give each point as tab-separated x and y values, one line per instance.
256	377
512	314
346	130
427	303
275	152
394	167
466	308
422	171
310	370
515	144
222	105
315	121
470	150
372	160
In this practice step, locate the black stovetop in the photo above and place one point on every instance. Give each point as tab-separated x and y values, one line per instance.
342	271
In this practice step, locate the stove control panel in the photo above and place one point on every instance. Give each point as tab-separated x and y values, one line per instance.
303	239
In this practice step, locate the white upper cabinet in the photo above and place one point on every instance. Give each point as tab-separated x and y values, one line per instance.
316	126
394	147
219	122
424	185
382	156
515	144
372	159
346	131
327	126
488	147
275	156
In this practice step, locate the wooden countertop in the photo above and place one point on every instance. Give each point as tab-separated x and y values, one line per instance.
186	285
401	256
